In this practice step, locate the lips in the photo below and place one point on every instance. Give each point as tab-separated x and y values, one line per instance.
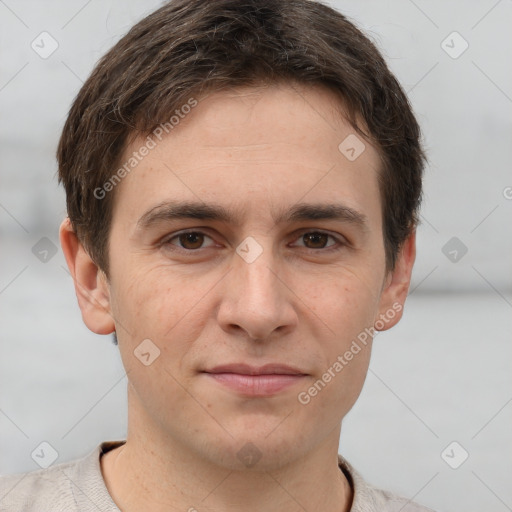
245	369
255	381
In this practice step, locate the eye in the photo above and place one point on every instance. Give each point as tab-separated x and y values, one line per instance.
318	240
189	240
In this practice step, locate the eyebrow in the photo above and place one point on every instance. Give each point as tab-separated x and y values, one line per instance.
172	210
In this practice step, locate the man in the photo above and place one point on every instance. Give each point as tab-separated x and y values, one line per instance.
243	181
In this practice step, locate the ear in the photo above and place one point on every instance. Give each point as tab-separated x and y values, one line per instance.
91	285
396	286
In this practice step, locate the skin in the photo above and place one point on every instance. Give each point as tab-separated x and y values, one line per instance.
256	151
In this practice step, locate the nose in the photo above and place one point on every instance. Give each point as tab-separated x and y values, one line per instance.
256	299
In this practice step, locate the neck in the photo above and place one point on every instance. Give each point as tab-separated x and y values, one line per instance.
152	471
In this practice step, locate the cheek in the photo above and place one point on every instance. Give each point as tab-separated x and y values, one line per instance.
348	306
166	308
338	389
348	309
346	301
149	308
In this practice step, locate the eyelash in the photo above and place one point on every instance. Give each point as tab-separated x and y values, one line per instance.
340	243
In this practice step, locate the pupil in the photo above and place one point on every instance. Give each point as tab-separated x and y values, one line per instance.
194	239
317	238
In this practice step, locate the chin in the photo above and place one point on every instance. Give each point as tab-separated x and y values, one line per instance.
256	449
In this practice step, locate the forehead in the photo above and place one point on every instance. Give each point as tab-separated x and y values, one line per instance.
257	147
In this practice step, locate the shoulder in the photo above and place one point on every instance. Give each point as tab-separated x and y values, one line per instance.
390	502
371	499
40	490
72	486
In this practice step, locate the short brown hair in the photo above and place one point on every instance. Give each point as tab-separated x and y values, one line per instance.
191	47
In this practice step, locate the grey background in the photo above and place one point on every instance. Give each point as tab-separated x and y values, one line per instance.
442	375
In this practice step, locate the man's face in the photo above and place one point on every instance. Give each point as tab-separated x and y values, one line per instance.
247	289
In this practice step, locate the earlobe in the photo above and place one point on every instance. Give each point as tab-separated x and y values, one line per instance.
396	287
91	285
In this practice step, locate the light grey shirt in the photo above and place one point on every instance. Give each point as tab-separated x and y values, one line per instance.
78	486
